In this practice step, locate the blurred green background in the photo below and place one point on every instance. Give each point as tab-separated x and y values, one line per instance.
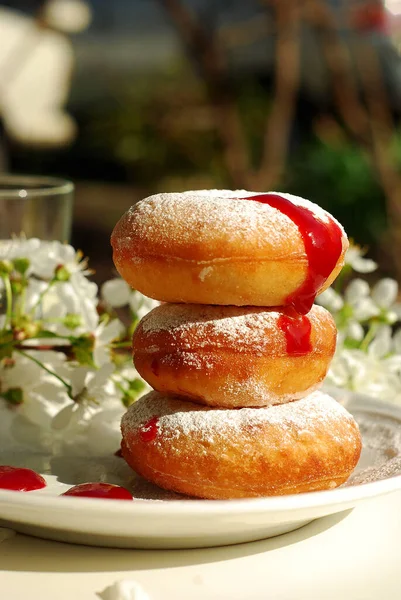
299	96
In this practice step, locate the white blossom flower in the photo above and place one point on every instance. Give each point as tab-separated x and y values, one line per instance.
48	402
19	248
42	394
116	292
385	294
354	258
91	385
43	256
141	305
357	296
365	373
51	255
103	434
104	335
354	331
381	344
78	297
93	391
331	300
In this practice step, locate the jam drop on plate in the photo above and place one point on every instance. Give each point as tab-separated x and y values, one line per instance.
323	247
19	479
99	490
149	431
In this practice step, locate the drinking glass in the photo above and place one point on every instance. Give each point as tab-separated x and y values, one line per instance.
38	207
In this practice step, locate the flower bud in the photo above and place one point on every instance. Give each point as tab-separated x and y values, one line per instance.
21	265
72	321
14	396
16	287
6	267
61	273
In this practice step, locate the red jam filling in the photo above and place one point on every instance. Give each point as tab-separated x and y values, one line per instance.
149	431
19	479
297	332
154	367
323	247
99	490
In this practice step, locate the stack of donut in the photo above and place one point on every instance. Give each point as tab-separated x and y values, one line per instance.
237	350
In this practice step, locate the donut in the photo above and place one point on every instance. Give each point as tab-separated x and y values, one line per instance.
302	446
233	357
229	248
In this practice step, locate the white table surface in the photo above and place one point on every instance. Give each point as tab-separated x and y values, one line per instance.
351	556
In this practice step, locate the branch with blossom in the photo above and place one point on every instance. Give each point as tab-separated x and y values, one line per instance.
65	351
368	355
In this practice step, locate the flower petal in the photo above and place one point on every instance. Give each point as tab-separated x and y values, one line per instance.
365	309
363	265
330	300
385	292
357	289
355	331
116	292
381	344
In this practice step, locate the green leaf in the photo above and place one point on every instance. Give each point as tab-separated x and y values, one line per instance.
6	337
16	287
6	344
82	350
14	396
44	333
21	265
135	387
6	351
6	267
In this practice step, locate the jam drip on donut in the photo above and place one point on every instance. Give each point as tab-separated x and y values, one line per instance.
99	490
154	367
297	332
19	479
323	247
149	431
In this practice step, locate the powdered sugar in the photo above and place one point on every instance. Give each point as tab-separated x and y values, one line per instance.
196	218
177	418
382	448
260	391
244	328
205	272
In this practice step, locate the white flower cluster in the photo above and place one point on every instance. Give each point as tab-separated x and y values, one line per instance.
66	372
368	355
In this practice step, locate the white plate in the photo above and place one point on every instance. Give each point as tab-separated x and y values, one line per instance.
157	519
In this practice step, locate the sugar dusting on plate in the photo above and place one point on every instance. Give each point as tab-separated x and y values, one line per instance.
381	456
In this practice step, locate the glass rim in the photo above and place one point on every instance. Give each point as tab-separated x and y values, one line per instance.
22	183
